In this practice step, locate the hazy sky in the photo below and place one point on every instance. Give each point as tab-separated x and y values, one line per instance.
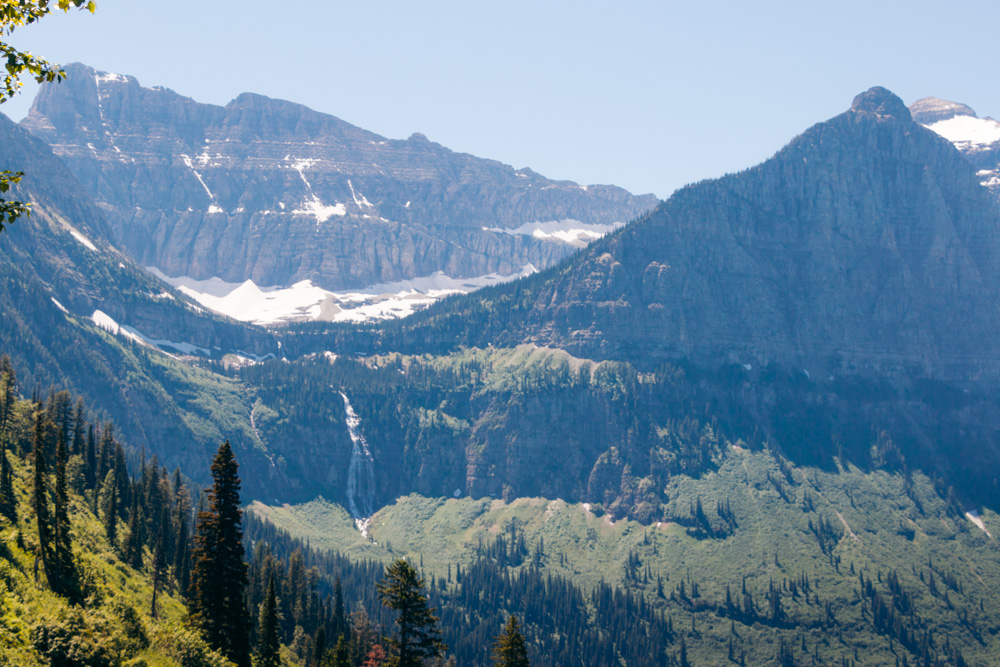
646	95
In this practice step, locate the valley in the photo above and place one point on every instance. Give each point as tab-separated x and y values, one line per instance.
752	424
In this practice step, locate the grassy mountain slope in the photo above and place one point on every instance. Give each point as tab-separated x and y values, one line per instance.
872	527
113	626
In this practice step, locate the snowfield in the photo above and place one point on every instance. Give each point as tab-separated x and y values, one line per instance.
305	301
968	132
571	232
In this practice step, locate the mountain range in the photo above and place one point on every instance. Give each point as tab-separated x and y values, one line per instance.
785	376
272	192
867	245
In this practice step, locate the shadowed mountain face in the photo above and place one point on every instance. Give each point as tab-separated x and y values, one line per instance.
271	191
867	244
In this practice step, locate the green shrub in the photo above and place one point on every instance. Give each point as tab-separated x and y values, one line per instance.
70	639
186	646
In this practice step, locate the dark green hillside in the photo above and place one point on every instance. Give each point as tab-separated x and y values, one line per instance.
530	421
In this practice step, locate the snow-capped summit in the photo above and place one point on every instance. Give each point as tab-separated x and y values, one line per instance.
977	138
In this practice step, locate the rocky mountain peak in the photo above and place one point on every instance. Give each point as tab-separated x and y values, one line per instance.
881	102
933	109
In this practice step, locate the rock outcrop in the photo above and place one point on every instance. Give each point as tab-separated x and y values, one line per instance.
272	191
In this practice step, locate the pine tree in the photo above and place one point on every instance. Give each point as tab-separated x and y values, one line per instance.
509	649
90	462
340	656
133	543
267	632
8	501
40	503
181	550
318	647
111	519
219	574
340	626
419	637
159	560
62	548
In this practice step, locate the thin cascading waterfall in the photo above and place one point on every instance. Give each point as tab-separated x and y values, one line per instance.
360	473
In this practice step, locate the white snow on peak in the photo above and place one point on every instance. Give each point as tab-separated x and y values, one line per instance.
305	301
214	209
570	232
968	132
105	77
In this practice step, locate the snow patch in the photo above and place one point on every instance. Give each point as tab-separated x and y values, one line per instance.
321	211
187	161
106	322
968	132
314	206
570	232
82	239
59	305
354	195
249	302
105	77
973	516
215	209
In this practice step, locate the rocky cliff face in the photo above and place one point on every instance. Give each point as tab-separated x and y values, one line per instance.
274	192
866	245
977	138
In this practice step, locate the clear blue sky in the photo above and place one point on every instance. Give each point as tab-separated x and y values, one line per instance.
646	95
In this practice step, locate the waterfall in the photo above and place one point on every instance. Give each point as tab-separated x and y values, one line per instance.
360	473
